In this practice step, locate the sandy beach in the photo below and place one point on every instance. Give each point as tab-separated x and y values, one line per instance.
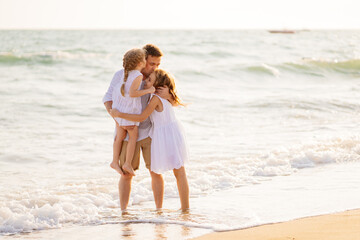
344	225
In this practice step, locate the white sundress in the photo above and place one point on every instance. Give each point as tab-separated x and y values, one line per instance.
168	145
126	104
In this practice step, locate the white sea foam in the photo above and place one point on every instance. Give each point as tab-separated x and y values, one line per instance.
246	126
91	201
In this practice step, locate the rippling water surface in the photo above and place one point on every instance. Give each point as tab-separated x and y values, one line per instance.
261	106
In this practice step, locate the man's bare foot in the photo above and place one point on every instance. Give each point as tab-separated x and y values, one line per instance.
124	212
128	169
116	166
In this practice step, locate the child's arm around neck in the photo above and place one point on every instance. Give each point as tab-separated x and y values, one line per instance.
134	92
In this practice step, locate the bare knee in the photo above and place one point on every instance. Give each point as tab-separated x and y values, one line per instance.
126	178
179	173
118	139
120	130
155	176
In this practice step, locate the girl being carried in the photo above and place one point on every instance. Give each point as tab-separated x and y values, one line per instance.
126	98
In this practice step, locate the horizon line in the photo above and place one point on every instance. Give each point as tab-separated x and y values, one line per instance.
174	29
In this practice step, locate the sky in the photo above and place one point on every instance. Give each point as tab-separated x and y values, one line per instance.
179	14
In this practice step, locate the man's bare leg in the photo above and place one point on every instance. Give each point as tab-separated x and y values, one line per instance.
157	183
124	190
183	187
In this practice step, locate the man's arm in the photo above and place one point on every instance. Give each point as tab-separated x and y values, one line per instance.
108	106
165	94
154	102
107	99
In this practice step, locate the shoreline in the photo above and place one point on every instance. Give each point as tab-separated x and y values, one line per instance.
334	226
342	225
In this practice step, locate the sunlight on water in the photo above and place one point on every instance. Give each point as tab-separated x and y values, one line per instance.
261	106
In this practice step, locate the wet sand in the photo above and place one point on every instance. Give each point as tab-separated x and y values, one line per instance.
344	225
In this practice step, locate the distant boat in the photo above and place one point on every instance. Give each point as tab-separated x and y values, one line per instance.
281	31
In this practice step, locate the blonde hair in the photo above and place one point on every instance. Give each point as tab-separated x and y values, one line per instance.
163	78
130	61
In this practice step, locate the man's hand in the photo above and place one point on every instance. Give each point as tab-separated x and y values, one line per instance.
114	113
164	93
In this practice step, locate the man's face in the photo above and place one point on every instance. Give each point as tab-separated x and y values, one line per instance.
152	63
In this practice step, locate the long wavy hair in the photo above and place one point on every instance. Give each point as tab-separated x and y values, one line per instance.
130	61
163	78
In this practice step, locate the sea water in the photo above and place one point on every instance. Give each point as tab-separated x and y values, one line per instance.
272	123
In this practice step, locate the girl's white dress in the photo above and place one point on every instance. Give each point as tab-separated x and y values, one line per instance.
126	104
168	145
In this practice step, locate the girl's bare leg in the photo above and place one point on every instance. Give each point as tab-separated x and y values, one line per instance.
119	138
130	150
183	187
157	184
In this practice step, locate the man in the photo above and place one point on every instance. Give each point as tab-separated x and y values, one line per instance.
153	59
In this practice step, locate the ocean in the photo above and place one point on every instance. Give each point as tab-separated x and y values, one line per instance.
272	123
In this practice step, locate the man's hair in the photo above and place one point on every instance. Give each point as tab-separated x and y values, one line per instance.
152	50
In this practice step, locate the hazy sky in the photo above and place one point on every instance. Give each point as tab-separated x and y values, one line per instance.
175	14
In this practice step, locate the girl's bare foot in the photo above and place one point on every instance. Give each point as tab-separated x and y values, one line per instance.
116	166
127	168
